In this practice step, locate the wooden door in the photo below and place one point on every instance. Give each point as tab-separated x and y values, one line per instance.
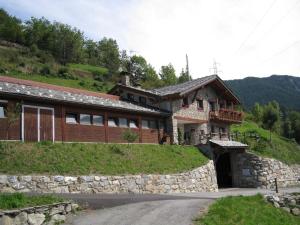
46	126
30	124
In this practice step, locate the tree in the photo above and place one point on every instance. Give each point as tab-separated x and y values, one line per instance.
109	56
287	128
91	52
184	77
129	136
168	75
257	112
271	116
11	28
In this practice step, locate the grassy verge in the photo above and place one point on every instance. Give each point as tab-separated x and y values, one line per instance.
106	159
280	148
89	68
251	210
19	200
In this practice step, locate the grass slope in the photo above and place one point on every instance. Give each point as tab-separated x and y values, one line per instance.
250	210
280	148
19	200
106	159
20	63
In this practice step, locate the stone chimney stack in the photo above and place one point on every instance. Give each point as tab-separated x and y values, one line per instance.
125	80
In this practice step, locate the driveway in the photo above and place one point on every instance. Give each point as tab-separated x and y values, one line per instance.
178	209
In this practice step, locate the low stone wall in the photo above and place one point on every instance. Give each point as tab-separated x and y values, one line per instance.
38	215
197	180
253	171
288	202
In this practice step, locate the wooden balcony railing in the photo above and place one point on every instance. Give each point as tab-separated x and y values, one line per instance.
226	115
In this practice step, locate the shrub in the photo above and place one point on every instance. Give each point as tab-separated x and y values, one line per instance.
45	70
129	136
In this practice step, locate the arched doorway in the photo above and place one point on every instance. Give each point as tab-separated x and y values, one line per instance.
223	169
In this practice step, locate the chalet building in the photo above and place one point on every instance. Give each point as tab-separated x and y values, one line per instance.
197	112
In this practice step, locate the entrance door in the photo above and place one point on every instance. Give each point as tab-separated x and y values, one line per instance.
30	124
46	128
224	175
37	123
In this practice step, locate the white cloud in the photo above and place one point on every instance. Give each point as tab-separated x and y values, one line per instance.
164	31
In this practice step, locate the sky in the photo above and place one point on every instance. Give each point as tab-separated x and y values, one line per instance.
244	37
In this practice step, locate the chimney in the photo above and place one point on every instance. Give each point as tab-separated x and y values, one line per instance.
125	80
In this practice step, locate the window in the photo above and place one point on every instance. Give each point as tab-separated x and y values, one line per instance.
85	119
130	97
142	100
200	104
185	102
145	124
71	118
133	124
123	122
2	111
112	122
97	120
152	124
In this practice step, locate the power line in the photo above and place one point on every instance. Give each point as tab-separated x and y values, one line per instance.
281	51
278	21
256	26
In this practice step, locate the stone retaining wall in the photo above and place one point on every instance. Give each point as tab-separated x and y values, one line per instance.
253	171
38	215
288	202
197	180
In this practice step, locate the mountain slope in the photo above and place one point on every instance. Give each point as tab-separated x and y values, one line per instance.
282	88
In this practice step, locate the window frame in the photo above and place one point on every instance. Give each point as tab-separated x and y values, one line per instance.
100	116
185	102
144	102
147	121
74	114
125	125
202	103
116	121
130	97
135	122
85	123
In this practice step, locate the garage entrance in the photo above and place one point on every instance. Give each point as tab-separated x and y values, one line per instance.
37	123
223	169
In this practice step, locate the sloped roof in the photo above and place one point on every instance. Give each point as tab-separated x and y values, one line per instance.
186	86
229	144
76	98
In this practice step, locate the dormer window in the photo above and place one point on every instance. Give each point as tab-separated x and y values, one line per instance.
130	97
185	102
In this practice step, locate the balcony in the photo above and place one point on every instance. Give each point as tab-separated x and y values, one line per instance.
226	115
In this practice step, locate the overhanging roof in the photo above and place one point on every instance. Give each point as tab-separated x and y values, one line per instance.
228	144
18	89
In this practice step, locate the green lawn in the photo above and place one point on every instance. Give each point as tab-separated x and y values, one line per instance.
106	159
89	68
280	148
19	200
251	210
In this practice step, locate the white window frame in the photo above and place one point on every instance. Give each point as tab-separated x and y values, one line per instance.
38	121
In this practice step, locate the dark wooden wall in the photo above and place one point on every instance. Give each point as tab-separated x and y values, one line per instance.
83	133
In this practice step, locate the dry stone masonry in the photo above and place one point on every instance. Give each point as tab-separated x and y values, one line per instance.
38	215
288	202
197	180
253	171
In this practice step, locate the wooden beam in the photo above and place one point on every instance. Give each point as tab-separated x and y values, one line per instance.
106	127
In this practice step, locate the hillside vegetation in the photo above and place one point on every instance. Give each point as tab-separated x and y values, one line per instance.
105	159
283	89
246	210
278	147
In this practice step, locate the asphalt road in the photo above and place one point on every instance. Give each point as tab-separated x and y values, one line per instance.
175	212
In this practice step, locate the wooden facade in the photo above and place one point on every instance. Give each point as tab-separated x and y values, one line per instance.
46	121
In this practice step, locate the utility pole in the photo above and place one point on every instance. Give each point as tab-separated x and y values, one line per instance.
187	66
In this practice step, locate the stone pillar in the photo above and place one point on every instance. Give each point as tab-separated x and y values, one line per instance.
172	129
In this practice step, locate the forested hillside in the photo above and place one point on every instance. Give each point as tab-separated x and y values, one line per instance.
54	52
283	89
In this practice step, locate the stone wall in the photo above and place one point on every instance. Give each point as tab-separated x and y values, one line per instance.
250	170
287	202
197	180
38	215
